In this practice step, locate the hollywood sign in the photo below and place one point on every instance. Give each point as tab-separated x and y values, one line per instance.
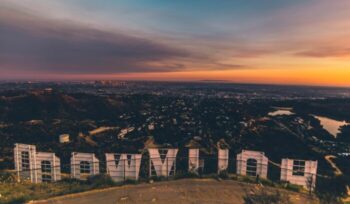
45	167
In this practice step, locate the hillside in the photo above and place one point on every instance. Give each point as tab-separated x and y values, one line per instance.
135	116
47	105
179	191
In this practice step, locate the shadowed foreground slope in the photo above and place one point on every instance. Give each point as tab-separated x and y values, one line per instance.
179	191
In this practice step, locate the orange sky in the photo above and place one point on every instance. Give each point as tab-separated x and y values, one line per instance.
323	77
266	76
273	42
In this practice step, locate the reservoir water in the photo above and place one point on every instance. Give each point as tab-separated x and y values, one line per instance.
281	111
332	126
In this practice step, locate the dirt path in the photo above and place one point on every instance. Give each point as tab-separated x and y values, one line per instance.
201	191
329	158
337	172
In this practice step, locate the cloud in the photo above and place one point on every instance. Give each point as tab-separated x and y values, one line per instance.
29	42
66	38
337	52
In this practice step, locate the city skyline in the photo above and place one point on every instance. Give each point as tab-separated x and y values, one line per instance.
271	42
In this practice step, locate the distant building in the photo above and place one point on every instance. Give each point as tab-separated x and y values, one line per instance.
101	130
151	126
34	122
64	138
174	121
124	132
48	90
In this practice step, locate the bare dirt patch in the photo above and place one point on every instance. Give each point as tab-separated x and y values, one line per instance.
180	191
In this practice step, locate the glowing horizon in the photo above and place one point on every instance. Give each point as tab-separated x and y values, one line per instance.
272	42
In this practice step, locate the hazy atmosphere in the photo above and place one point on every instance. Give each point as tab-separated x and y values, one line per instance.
273	41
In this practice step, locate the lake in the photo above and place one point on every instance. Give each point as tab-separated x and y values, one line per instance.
281	111
332	126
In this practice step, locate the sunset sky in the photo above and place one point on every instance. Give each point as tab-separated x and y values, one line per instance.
247	41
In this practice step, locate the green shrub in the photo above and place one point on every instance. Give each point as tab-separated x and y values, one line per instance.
71	181
18	200
7	177
267	182
332	189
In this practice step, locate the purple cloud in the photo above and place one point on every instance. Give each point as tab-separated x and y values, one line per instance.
31	43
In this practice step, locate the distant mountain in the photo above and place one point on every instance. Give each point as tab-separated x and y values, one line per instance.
43	105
